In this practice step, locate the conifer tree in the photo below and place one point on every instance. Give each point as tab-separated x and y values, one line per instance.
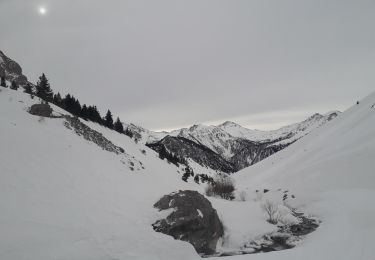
84	112
108	120
94	115
118	126
3	83
43	89
57	100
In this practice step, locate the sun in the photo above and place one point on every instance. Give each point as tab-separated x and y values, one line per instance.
42	10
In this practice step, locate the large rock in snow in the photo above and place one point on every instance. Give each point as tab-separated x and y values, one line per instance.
193	220
44	110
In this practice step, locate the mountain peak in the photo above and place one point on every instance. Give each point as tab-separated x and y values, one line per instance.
229	123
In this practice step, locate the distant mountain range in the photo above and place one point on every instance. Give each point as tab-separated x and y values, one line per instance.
228	147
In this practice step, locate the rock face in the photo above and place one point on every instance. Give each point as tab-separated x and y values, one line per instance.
41	110
11	70
193	220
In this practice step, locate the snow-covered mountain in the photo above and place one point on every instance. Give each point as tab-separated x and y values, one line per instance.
238	146
65	197
73	189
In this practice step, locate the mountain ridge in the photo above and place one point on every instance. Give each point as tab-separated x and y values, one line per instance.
239	146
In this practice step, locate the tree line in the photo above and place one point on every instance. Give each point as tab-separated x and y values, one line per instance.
69	103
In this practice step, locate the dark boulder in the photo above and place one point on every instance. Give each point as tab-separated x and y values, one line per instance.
193	220
41	110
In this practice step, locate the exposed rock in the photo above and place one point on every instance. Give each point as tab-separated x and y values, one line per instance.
91	135
193	220
11	70
44	110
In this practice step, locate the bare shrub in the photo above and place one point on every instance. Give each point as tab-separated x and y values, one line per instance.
222	186
272	211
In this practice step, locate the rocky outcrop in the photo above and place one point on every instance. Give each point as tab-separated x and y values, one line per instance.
11	70
193	220
44	110
91	135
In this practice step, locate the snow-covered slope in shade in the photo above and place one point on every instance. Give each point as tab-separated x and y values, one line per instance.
63	197
332	174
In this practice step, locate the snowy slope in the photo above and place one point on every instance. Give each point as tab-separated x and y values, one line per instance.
331	172
63	197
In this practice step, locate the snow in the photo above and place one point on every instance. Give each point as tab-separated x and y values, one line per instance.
63	197
200	213
243	221
297	130
331	173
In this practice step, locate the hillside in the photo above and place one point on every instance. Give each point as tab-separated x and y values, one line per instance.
331	173
74	189
63	197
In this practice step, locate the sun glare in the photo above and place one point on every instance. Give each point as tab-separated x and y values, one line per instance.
42	10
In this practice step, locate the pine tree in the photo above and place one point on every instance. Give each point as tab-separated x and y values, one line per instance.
28	89
118	126
3	83
14	85
57	100
43	89
94	115
108	120
84	112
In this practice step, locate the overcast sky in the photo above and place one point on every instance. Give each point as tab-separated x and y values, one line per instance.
167	64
